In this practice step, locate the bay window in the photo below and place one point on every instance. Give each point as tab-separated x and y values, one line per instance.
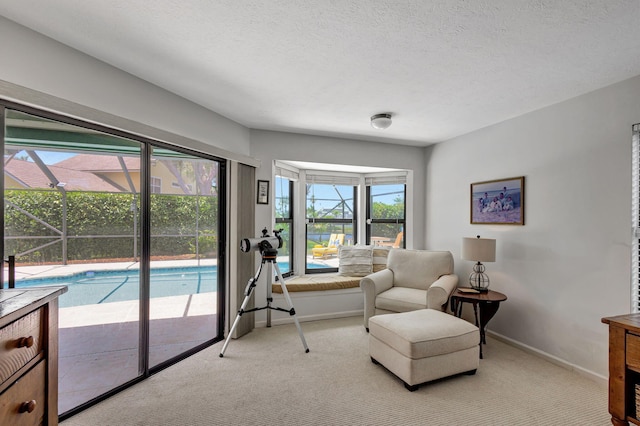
356	205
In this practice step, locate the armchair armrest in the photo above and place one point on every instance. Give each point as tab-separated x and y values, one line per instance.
377	282
372	285
440	291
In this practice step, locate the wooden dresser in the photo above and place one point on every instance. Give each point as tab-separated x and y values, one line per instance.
624	368
29	356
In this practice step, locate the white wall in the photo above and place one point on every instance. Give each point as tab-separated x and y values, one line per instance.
37	62
569	266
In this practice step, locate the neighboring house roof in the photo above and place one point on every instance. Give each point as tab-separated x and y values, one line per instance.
99	163
30	175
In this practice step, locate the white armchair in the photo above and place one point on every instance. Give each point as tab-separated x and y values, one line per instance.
413	279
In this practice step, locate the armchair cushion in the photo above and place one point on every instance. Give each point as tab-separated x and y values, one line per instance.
401	299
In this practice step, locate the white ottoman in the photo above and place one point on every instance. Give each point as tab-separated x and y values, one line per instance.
423	345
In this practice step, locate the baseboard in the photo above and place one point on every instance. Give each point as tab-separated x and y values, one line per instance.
331	315
604	381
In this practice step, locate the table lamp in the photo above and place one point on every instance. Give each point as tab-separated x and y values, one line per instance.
479	250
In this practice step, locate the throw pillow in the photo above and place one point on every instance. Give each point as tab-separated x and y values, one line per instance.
380	255
355	261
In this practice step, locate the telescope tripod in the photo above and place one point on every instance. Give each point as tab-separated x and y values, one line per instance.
268	258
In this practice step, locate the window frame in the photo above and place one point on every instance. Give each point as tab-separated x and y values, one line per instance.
353	222
288	220
155	185
370	220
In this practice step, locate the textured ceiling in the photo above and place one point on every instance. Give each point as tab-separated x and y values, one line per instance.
442	68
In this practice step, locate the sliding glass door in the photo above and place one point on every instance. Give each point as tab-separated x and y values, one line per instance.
184	252
70	213
132	227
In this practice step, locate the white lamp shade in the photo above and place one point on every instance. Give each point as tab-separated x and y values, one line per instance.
479	249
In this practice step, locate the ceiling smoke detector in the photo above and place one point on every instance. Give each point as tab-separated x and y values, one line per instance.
381	121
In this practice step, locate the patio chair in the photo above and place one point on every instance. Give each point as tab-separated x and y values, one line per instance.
396	244
335	240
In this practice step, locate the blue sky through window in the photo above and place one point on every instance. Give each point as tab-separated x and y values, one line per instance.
49	157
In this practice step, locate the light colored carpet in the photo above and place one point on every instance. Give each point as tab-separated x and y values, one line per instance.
265	378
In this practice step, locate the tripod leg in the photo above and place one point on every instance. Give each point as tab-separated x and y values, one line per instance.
285	292
269	296
250	287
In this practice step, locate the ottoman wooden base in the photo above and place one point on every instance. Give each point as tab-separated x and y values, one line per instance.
425	345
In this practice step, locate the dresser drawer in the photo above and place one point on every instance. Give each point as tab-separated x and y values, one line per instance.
24	403
20	342
633	351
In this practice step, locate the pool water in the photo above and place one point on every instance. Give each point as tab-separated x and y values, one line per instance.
95	287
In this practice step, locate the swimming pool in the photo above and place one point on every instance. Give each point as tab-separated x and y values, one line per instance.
96	287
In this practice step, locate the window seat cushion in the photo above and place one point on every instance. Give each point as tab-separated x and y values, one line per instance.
332	280
317	282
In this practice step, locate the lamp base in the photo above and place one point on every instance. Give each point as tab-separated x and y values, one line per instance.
478	280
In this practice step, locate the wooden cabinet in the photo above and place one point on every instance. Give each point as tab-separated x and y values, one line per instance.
624	368
29	356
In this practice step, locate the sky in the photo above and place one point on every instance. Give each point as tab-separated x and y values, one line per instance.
49	157
52	157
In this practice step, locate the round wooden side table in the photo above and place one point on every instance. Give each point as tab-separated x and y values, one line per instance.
486	302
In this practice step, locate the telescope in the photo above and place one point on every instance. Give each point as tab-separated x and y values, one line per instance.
264	242
268	247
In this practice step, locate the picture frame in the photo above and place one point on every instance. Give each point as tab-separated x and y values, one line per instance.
263	192
498	202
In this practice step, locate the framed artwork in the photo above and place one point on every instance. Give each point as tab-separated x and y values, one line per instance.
498	202
263	192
